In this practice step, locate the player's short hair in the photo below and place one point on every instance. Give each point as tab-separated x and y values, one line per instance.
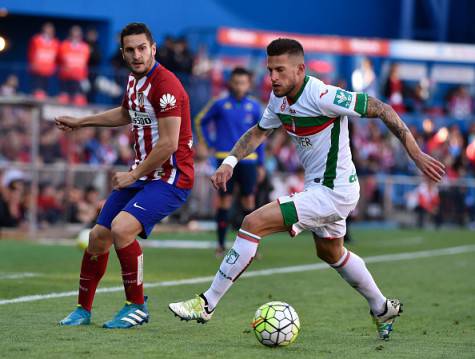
282	46
135	28
240	71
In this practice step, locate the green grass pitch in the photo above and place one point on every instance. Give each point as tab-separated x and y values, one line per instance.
438	294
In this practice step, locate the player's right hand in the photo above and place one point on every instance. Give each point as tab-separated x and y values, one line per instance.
67	123
222	176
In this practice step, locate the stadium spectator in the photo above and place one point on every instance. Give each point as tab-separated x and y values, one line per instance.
428	201
364	79
74	55
394	89
49	204
201	204
459	103
42	59
121	72
182	57
50	149
93	63
418	96
89	206
165	53
182	61
10	86
12	199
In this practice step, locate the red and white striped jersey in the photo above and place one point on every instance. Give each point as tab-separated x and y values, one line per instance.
157	95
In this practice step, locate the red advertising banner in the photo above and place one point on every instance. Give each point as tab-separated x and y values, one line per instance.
311	43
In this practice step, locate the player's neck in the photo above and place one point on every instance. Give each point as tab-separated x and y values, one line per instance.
297	88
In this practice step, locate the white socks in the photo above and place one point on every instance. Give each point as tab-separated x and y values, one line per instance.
233	265
353	269
350	266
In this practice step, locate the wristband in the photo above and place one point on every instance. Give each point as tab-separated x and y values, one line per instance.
231	161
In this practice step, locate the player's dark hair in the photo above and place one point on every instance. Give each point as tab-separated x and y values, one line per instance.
282	46
241	71
135	28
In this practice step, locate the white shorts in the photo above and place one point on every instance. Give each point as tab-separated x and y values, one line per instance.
320	209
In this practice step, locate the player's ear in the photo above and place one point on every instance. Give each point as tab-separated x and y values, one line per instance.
122	53
154	49
301	68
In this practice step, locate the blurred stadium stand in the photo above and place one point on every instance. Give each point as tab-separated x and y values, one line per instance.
48	178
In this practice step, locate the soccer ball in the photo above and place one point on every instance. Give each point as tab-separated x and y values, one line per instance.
276	324
82	240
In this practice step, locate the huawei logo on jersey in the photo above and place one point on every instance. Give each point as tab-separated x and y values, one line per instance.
167	101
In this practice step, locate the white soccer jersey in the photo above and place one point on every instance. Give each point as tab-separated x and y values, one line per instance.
316	120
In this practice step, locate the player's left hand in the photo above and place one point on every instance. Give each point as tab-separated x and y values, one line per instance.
430	166
122	179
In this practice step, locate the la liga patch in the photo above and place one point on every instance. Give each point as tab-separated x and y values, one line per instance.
343	99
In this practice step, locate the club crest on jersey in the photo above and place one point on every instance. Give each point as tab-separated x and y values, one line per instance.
284	104
167	102
140	98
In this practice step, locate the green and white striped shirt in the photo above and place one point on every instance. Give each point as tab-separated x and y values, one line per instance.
317	121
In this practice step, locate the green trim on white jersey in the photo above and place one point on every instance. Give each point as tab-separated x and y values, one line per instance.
317	122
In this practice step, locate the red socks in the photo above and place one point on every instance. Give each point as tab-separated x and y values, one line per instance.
93	268
131	261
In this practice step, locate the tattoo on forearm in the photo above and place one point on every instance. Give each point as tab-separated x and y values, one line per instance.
248	142
377	108
242	147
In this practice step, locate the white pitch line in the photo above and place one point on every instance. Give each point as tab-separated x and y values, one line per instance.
149	243
18	275
258	273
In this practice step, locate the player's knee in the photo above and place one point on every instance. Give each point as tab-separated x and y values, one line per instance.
121	234
251	223
329	253
100	240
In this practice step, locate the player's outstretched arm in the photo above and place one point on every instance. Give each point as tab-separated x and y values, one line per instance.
428	165
243	147
112	118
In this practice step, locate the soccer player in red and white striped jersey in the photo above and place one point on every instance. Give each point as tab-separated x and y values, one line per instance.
156	106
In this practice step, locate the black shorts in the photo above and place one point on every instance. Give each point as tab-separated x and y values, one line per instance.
245	175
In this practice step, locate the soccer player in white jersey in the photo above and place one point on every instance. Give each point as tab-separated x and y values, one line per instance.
315	116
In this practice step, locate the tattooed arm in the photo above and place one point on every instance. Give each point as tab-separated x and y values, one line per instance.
243	147
249	142
428	165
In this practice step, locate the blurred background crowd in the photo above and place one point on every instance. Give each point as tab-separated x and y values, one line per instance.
436	102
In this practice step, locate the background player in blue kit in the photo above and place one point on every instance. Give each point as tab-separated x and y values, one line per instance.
220	124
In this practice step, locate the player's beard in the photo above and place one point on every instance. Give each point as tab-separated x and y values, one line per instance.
148	67
286	92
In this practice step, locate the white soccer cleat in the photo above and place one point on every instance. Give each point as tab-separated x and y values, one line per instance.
384	322
192	309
